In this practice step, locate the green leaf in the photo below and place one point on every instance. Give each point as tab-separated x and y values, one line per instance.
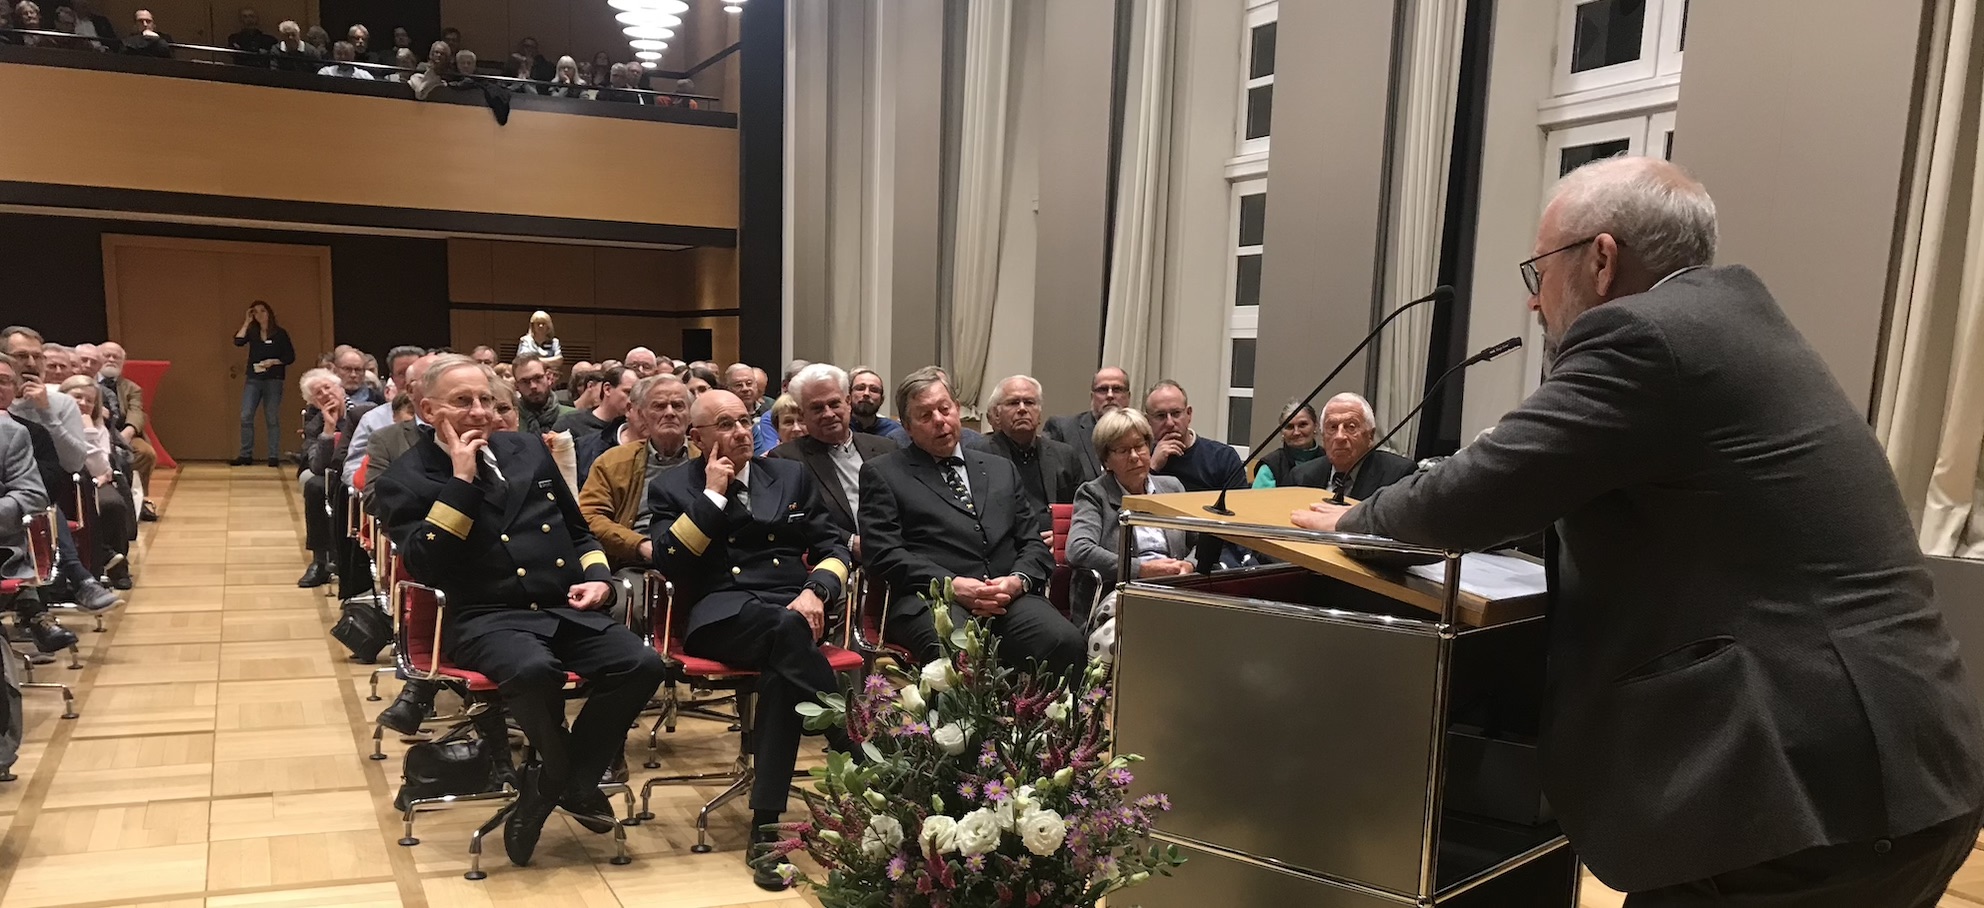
809	709
874	753
836	702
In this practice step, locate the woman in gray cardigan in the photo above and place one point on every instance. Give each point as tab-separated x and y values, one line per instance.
1122	442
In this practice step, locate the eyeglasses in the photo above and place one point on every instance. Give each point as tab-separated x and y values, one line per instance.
1110	389
1533	279
728	425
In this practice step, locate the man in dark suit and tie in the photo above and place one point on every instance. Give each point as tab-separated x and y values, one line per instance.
934	511
1350	430
486	518
735	533
1050	472
831	449
1752	698
1108	390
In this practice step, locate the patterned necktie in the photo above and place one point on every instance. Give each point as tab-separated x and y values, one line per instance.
955	480
1339	482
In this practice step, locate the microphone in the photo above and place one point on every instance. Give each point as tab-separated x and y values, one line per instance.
1482	357
1443	293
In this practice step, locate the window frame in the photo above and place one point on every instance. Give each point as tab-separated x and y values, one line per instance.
1257	15
1242	322
1565	82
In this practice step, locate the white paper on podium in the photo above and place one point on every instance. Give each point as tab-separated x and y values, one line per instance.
1491	577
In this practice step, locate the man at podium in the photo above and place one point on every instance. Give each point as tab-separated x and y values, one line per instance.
1752	698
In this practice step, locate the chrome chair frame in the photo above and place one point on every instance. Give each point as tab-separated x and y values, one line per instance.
39	528
76	483
506	793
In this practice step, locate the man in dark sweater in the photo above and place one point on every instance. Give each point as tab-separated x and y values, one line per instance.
251	40
147	40
1200	463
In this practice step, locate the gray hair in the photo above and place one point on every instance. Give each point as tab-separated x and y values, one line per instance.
1114	426
450	362
1289	409
315	377
1648	205
1349	397
817	374
792	369
646	386
999	390
914	384
1163	383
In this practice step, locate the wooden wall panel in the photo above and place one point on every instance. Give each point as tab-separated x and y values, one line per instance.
565	273
245	140
517	280
470	275
630	278
549	23
485	25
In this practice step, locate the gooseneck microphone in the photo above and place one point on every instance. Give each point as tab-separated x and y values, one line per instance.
1444	292
1482	357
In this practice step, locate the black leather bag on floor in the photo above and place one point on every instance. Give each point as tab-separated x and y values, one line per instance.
457	763
364	630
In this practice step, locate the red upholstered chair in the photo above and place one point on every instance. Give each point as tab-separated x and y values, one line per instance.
1072	590
420	610
699	674
40	557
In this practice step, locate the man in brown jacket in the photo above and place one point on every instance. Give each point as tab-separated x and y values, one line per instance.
131	407
614	497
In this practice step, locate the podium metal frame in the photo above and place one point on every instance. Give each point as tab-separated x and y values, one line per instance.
1445	630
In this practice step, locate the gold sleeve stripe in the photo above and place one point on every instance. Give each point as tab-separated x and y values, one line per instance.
834	566
690	534
591	558
447	518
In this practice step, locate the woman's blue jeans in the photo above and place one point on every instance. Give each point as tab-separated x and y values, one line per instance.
268	393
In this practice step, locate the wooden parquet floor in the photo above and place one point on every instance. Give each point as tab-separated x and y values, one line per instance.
220	759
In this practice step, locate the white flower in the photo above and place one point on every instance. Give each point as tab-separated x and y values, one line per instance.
882	837
1042	831
911	700
1023	799
939	835
1003	812
938	675
950	738
978	832
1057	711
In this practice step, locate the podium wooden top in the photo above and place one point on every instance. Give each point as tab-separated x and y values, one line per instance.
1271	507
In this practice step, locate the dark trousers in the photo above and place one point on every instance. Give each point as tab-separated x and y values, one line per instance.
114	521
354	565
529	669
1031	631
777	641
1908	871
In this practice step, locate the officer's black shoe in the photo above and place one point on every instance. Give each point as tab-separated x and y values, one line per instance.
317	575
410	708
526	822
765	871
590	807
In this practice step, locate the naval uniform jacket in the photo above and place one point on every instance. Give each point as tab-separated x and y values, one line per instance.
720	557
505	558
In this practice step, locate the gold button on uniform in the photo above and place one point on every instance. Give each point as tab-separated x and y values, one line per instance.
520	572
561	562
737	570
505	537
533	606
774	562
771	537
550	497
546	528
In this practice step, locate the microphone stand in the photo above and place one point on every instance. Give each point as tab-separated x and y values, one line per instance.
1482	357
1442	292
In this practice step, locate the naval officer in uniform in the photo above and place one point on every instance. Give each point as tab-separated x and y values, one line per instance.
483	516
735	534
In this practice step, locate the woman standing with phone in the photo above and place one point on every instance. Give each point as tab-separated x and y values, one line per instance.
269	355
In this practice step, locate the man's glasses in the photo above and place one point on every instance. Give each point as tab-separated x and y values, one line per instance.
1110	389
1533	279
729	425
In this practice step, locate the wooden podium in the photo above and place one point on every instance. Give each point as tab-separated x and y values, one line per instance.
1332	734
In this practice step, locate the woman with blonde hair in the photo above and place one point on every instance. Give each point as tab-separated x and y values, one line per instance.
565	81
541	339
116	518
786	419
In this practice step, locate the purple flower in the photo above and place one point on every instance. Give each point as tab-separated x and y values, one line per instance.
1121	778
988	757
968	791
975	863
899	864
1156	802
995	791
877	685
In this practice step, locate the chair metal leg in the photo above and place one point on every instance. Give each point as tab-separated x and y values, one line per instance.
742	785
373	696
68	696
647	788
378	749
75	658
475	842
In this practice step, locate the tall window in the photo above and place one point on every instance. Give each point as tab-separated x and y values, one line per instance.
1614	91
1247	171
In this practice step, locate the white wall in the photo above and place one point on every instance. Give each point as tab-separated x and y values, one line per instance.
1011	351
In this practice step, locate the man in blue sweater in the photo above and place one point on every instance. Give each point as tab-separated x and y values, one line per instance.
1200	463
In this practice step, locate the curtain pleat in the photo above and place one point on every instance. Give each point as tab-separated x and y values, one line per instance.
1133	322
982	187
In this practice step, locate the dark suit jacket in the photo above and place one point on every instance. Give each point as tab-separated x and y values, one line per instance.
1745	660
1380	469
1062	472
506	567
1078	432
720	558
381	450
914	530
814	455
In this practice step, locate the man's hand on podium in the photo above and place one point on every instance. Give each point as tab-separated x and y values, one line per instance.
1320	516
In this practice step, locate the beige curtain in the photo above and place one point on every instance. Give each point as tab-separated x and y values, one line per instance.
1421	149
1133	322
982	185
1931	411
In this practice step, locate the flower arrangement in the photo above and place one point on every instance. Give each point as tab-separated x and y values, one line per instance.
975	786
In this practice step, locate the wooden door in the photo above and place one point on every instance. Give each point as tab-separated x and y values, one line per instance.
182	300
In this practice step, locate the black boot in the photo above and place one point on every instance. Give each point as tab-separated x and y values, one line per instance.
318	574
48	636
241	461
410	708
526	820
765	870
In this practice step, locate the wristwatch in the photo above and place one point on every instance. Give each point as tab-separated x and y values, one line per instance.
819	589
1028	585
